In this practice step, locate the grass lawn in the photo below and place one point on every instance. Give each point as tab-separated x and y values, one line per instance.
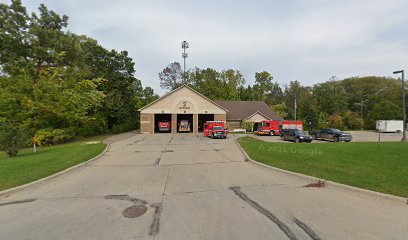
29	166
382	168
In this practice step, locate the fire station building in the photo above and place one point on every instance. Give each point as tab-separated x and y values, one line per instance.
186	104
183	103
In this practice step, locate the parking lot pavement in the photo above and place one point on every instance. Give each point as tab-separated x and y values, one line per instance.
358	136
192	187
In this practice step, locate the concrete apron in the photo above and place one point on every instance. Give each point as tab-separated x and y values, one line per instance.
193	188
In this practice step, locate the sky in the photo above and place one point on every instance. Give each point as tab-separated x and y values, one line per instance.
304	40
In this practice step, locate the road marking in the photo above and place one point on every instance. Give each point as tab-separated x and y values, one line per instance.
285	229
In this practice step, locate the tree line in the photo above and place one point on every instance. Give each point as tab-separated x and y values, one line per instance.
57	85
350	104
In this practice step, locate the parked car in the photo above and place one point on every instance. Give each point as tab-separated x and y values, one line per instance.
184	126
164	126
218	132
274	127
331	134
296	135
283	131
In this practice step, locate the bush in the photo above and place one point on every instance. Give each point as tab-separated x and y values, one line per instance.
353	121
125	127
13	138
92	128
46	137
248	126
336	121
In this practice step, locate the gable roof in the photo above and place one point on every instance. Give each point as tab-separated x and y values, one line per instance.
258	112
241	110
177	89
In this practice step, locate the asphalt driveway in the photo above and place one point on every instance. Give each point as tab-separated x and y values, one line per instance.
191	187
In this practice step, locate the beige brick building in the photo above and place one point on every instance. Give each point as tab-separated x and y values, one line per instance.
183	103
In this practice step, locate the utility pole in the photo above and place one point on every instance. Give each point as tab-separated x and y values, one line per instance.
404	115
295	106
184	46
361	107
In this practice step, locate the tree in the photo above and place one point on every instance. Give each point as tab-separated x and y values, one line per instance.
147	96
383	110
245	94
55	81
119	86
364	92
33	43
308	111
171	77
263	85
331	97
335	121
281	109
14	45
232	81
12	138
353	121
295	92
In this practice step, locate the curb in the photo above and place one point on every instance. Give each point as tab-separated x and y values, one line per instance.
328	182
38	181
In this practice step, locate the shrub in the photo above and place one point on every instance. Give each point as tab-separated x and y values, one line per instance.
92	128
353	121
46	137
124	127
336	121
248	126
13	138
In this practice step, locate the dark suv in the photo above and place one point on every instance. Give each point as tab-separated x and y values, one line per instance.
296	136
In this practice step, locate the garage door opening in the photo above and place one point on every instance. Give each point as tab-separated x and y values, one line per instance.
202	118
162	123
255	127
185	123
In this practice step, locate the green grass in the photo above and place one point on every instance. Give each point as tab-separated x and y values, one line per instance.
29	166
382	168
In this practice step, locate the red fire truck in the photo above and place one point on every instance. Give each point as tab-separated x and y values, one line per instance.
215	129
184	126
273	127
164	126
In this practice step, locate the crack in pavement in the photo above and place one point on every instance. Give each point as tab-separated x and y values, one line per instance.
155	225
163	151
285	229
18	202
307	229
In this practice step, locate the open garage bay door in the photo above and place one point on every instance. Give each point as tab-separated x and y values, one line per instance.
185	123
202	118
162	123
